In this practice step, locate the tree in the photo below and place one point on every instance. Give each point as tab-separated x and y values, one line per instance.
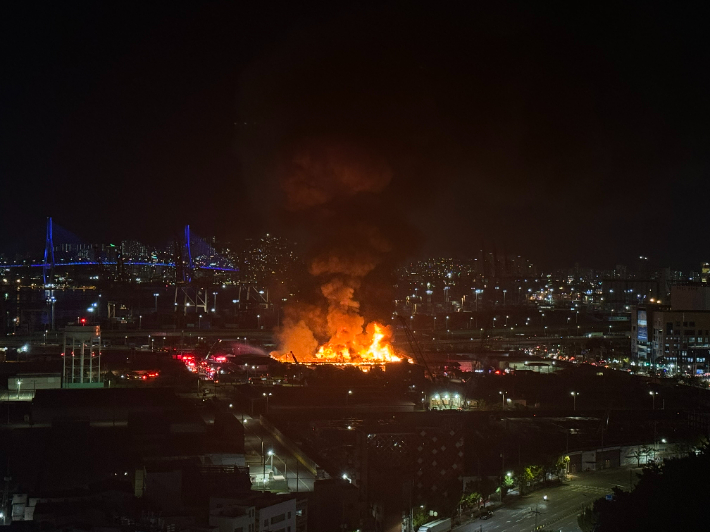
640	452
476	491
668	496
528	475
554	465
469	500
419	517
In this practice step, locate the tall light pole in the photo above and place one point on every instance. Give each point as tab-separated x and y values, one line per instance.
155	296
504	292
140	322
267	395
258	321
235	301
53	300
503	394
214	302
536	512
272	454
653	395
574	400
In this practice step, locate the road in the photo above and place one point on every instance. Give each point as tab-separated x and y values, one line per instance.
297	477
560	511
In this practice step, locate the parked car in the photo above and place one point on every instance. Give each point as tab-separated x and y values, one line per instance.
486	514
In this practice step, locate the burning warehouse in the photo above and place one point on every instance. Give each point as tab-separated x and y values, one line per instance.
334	192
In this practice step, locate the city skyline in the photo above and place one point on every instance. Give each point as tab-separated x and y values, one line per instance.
498	122
72	248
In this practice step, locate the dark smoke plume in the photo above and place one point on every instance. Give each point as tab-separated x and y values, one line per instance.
334	190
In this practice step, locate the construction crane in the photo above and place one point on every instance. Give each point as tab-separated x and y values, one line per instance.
415	348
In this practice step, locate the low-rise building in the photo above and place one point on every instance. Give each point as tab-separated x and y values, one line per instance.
254	512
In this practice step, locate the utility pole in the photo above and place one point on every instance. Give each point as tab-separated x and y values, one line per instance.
536	514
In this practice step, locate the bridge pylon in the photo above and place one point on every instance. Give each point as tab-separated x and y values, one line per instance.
48	266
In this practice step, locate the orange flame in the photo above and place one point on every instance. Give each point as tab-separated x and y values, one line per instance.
371	346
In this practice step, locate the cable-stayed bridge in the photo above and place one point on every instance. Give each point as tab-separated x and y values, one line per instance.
186	255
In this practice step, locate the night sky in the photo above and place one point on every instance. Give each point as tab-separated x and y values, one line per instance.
565	132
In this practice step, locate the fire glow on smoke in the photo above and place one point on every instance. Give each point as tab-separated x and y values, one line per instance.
332	189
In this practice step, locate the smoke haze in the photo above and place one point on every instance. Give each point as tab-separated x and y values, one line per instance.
333	190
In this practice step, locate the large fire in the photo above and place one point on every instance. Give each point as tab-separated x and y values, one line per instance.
332	187
371	346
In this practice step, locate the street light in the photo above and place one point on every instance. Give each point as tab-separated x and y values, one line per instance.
271	455
53	300
503	394
155	296
214	302
263	462
574	400
258	321
653	395
267	395
235	301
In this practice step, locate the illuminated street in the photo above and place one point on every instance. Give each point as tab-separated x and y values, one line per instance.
560	511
